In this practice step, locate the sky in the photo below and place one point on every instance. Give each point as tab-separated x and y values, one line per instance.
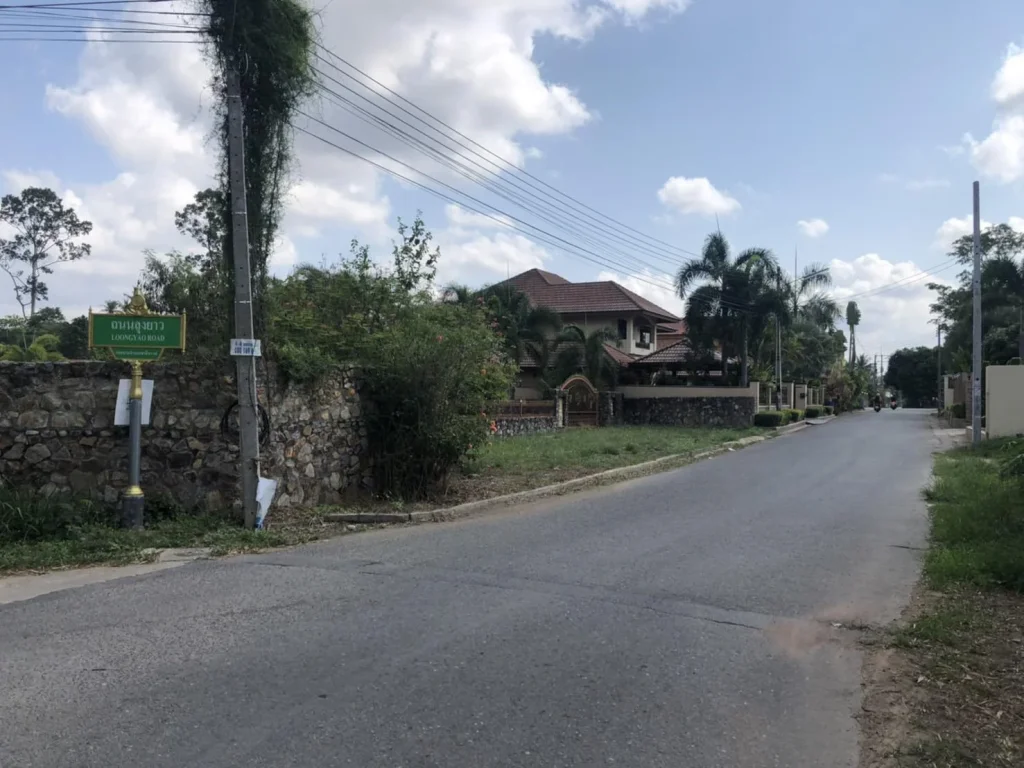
845	134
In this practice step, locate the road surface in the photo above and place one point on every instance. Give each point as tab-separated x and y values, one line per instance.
684	619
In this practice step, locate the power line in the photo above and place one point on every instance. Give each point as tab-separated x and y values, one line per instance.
511	169
486	181
561	244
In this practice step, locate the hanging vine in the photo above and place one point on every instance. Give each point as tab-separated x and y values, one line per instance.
270	42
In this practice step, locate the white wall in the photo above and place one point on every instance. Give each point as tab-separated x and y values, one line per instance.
1004	400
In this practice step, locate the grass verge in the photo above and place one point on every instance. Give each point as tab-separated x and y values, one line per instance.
957	663
98	543
532	461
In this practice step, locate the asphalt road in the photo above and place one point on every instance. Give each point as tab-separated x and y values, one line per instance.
685	619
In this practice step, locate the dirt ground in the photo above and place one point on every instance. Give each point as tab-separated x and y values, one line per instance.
945	688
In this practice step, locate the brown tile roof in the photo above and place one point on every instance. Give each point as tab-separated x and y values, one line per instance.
677	328
546	289
616	354
675	353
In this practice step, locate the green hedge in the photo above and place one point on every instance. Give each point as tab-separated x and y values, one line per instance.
770	418
795	415
958	410
829	410
813	412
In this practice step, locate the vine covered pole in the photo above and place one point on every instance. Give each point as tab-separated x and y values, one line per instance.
245	366
976	351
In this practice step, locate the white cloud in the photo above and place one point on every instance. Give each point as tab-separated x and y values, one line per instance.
813	227
953	150
1008	86
953	229
697	196
1016	223
914	185
459	217
475	257
653	286
471	64
897	314
1000	155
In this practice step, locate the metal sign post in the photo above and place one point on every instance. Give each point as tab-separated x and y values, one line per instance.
136	336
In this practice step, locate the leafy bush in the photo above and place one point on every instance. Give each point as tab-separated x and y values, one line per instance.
427	380
813	412
829	410
27	516
977	527
770	418
795	415
958	410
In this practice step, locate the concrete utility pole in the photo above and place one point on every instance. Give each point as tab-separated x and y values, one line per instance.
938	369
976	361
245	367
778	365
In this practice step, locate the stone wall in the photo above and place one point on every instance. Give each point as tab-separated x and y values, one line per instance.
57	433
609	409
690	411
513	426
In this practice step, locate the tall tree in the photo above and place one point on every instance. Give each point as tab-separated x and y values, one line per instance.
46	233
853	320
809	300
913	373
734	299
525	328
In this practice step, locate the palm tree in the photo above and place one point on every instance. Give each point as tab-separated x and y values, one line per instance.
808	301
735	298
853	320
582	352
525	328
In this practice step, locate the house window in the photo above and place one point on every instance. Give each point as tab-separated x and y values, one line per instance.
623	330
645	338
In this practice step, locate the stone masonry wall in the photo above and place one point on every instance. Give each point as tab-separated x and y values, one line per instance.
57	433
512	426
690	411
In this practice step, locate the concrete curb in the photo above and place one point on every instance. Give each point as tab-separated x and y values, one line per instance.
607	477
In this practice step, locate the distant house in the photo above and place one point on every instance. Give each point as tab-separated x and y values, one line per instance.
633	320
635	323
671	333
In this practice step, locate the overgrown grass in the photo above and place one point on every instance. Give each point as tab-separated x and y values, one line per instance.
43	533
596	449
977	521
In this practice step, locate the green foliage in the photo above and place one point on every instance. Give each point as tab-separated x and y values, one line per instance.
582	352
977	523
526	329
324	317
813	412
427	379
794	415
734	301
1002	294
958	410
771	418
27	516
46	233
270	43
829	410
913	373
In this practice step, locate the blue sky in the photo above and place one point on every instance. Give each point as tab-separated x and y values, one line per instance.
766	113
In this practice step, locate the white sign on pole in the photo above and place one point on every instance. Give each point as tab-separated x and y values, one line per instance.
124	386
245	348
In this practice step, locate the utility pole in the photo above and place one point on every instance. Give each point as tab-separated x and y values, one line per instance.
938	369
245	366
976	361
778	365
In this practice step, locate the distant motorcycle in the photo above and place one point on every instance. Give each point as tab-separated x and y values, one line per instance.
892	404
878	407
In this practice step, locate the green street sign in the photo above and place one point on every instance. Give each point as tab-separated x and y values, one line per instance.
137	332
121	353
